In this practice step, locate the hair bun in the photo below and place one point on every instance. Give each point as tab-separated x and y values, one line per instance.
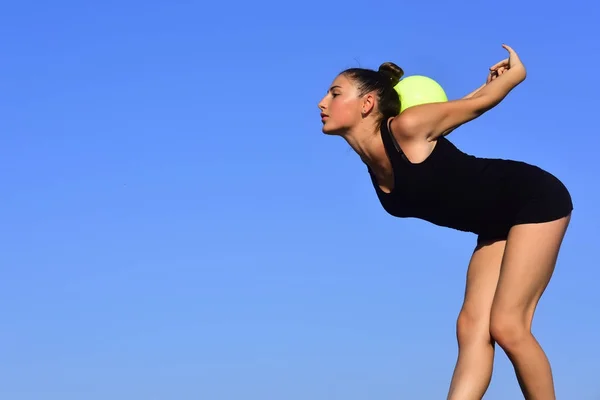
391	71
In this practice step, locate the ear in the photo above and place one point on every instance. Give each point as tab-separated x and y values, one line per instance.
367	104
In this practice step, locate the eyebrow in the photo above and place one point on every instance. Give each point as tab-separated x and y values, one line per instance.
334	87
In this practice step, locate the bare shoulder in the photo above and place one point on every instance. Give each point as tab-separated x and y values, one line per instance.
415	147
407	127
403	126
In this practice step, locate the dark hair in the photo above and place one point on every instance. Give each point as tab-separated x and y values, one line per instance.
381	82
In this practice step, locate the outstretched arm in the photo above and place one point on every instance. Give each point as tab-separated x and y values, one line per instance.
437	119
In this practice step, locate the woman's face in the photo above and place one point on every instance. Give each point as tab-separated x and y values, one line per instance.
341	107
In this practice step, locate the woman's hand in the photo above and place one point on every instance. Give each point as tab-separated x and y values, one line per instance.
495	72
513	62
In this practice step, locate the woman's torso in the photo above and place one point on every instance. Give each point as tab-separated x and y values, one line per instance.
453	189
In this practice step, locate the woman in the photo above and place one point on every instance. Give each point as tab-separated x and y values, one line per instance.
519	212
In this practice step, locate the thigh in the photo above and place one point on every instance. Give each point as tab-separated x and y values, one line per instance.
482	279
528	264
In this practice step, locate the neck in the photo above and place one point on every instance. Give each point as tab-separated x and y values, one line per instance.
366	142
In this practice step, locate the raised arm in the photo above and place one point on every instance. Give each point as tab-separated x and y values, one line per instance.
436	119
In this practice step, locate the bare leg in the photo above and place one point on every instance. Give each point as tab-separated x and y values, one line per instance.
529	261
473	370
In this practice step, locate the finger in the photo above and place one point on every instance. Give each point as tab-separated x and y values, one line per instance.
499	64
512	55
508	48
498	72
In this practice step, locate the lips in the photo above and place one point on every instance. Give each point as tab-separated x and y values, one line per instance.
324	115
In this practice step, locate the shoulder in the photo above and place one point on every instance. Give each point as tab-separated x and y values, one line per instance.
416	148
413	123
406	126
402	125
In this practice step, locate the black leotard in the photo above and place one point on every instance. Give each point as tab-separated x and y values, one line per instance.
480	195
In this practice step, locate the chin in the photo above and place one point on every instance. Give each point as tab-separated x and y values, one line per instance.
332	131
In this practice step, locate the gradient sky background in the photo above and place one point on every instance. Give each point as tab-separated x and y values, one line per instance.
175	226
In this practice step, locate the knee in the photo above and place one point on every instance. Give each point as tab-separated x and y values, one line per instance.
510	331
472	327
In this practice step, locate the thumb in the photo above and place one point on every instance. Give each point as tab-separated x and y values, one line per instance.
512	55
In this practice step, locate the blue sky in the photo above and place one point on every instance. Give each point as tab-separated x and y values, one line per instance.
175	225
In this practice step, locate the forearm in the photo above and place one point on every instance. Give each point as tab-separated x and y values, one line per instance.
474	92
495	91
470	95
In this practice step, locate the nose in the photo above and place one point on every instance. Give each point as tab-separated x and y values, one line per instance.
321	104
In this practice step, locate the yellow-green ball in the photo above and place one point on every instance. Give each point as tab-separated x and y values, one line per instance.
417	89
